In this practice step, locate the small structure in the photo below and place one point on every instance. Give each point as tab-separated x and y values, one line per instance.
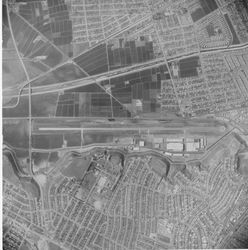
175	146
194	145
141	143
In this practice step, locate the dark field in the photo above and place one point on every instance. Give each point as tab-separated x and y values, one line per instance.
53	157
188	67
60	22
57	123
144	86
94	137
94	104
242	8
83	104
22	153
119	110
39	157
73	139
55	139
94	61
129	52
138	85
234	35
47	141
207	6
5	15
242	166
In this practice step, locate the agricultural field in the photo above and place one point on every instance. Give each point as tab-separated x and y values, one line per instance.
125	124
12	68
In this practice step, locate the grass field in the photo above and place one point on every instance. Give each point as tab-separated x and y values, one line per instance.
13	73
44	105
77	167
21	110
65	73
16	134
8	172
94	61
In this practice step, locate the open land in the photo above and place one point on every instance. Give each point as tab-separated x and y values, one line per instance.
125	124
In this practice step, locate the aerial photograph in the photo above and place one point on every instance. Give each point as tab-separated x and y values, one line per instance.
124	124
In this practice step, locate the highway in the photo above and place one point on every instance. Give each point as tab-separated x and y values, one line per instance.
215	50
22	86
37	90
109	75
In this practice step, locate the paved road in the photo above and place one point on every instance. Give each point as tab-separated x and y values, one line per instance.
108	75
12	91
36	90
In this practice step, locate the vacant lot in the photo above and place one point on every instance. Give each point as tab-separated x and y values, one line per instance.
78	167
